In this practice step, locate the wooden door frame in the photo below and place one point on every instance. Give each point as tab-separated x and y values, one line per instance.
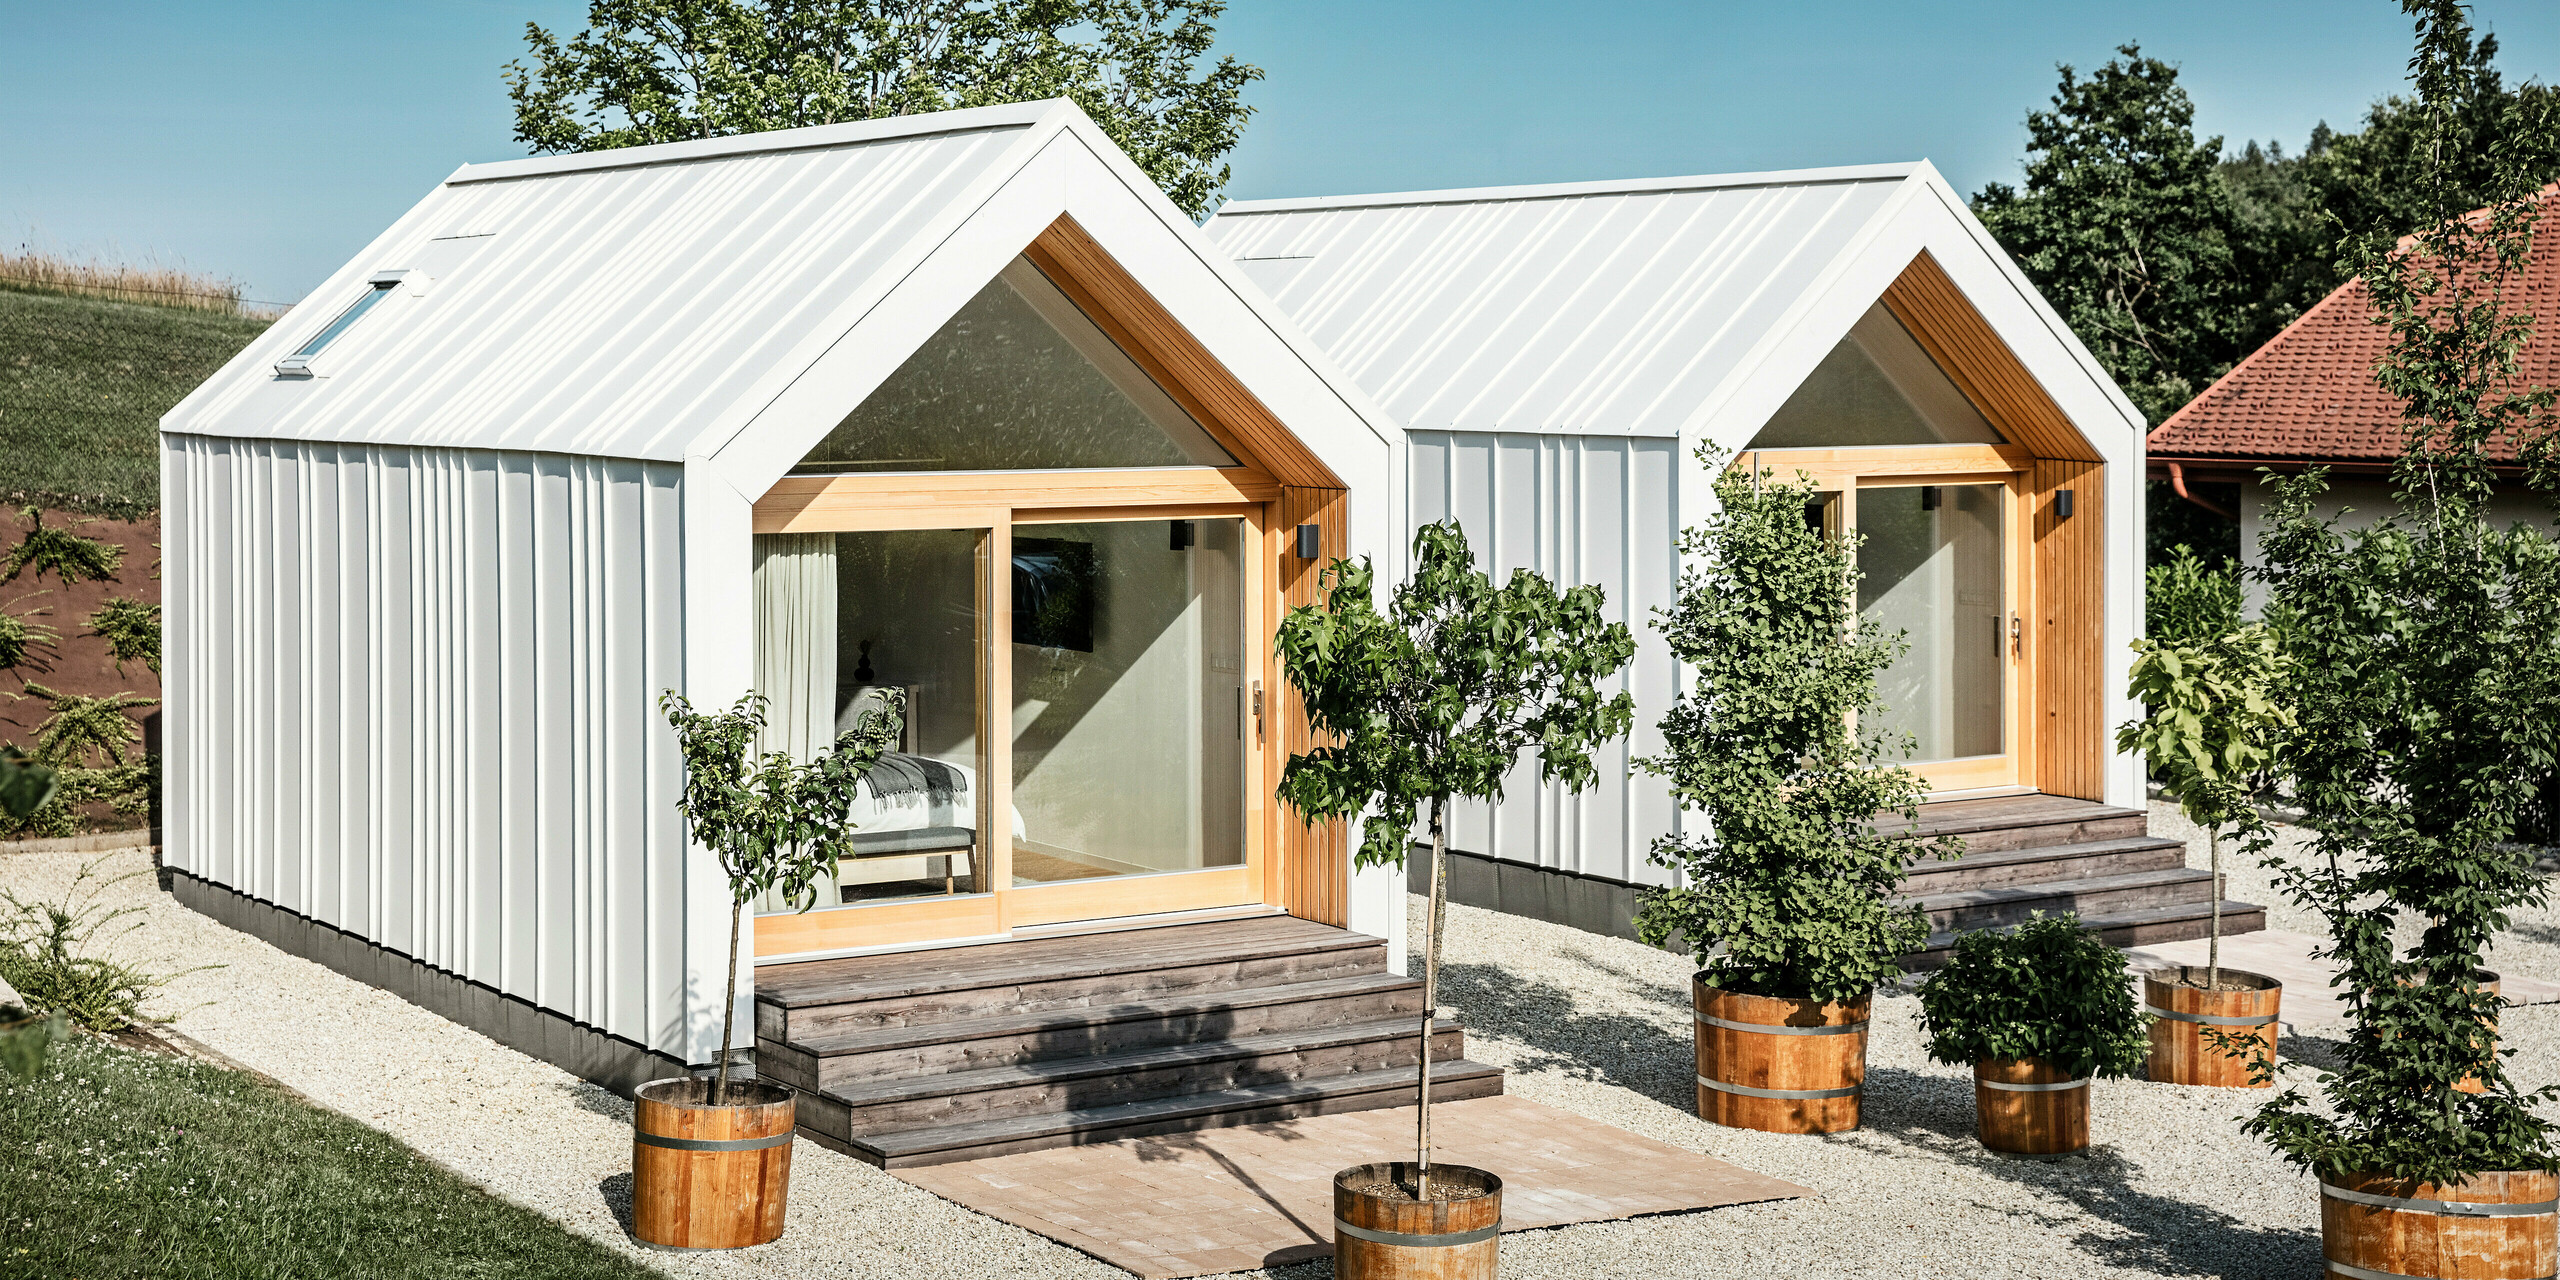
995	503
1848	470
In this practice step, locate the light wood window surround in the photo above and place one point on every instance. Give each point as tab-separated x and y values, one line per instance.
2067	668
1279	485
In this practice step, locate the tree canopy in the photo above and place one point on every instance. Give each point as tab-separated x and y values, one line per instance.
647	71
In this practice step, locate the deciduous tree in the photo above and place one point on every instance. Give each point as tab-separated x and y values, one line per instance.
647	71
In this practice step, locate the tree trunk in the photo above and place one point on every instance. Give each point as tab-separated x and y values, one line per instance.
1430	994
2213	944
728	1008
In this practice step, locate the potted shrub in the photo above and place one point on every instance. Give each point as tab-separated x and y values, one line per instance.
1433	698
2037	1012
1789	897
2209	733
2424	681
711	1159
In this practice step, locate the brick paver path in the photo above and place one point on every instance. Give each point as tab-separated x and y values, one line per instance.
1262	1195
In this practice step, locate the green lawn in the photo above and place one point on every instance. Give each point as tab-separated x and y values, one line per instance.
83	382
116	1164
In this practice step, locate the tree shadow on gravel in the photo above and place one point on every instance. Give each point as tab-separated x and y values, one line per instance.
2158	1234
1627	1049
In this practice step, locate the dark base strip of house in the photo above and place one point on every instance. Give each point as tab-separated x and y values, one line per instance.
1570	898
574	1047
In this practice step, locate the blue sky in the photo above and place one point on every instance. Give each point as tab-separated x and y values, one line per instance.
267	141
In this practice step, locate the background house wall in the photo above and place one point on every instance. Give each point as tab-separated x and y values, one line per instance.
413	698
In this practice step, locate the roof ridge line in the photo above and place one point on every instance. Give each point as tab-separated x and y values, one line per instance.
1568	190
1009	115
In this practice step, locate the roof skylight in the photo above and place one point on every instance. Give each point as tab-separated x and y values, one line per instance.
298	365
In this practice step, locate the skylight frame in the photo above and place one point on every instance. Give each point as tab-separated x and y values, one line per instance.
377	287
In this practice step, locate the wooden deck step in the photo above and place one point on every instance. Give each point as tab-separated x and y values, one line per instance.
827	1062
2037	864
1069	1084
825	997
2017	822
2087	895
2129	929
1357	1091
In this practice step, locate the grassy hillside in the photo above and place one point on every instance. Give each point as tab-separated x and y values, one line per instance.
83	382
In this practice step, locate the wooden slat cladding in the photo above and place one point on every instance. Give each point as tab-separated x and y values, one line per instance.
2071	670
1964	344
1314	861
1176	360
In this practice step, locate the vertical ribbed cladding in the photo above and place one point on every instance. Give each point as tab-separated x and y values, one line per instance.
1596	509
411	698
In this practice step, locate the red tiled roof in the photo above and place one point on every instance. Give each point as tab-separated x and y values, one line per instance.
2308	395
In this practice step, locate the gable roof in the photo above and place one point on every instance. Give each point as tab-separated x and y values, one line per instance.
652	302
2308	396
1635	307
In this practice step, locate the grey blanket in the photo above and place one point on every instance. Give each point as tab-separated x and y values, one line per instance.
900	774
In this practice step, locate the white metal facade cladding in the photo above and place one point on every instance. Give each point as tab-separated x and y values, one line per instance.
412	695
1616	311
1579	509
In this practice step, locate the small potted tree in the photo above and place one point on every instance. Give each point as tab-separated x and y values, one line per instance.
711	1159
2209	734
2037	1012
2427	662
1790	902
1434	698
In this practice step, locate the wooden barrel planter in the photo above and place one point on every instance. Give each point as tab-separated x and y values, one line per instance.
706	1177
1779	1065
2496	1226
2186	1018
1382	1234
2029	1108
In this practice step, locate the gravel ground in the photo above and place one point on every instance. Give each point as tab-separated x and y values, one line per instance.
1595	1025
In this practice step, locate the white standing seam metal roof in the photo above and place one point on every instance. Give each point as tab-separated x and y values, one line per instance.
1615	307
614	303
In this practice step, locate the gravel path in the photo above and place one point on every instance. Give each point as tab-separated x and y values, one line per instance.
1598	1026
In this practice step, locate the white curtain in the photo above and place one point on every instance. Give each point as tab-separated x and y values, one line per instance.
795	594
795	604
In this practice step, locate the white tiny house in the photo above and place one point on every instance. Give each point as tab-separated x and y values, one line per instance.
956	403
1558	354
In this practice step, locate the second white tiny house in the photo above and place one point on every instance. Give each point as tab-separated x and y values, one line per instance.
1558	354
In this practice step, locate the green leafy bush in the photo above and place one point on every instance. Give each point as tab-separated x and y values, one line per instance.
2186	601
86	741
131	629
70	558
20	634
48	952
1791	876
2049	989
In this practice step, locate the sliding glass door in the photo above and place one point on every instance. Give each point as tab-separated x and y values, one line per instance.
1941	564
1081	729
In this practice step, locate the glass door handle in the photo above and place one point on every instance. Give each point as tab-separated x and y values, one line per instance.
2017	635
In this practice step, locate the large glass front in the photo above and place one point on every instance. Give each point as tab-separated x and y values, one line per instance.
842	619
1878	387
1129	698
1933	567
1019	379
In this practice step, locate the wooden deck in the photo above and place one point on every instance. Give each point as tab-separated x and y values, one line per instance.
927	1057
2030	853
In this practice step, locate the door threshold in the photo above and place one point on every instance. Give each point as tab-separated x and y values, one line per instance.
1978	793
1067	929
